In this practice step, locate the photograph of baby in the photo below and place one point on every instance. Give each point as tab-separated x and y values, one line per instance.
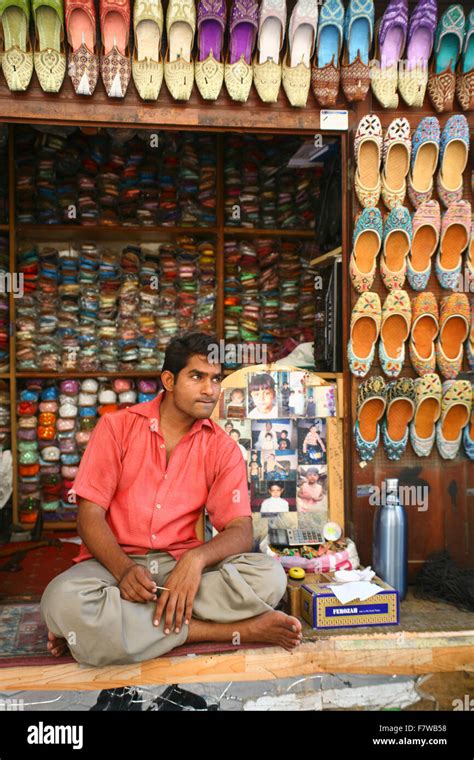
320	401
241	432
273	496
311	441
262	395
280	465
235	403
292	394
273	435
311	492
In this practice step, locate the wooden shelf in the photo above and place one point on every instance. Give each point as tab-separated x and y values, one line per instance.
4	228
61	375
259	232
69	232
5	376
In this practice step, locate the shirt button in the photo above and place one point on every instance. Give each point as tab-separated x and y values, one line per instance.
162	445
158	506
154	536
166	476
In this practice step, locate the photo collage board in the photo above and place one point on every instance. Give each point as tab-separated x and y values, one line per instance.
278	420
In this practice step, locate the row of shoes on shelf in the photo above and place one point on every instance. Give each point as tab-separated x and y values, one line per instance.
424	410
437	336
408	245
410	161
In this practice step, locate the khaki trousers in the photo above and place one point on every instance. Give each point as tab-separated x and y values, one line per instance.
84	605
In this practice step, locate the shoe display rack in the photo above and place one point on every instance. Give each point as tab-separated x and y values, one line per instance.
276	226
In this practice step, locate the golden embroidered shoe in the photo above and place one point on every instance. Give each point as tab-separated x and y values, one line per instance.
17	57
209	65
267	63
147	62
49	55
179	65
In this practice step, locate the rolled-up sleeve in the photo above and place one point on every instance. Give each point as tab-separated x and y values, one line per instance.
228	496
101	465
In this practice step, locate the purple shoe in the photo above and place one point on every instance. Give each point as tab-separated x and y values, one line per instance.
209	67
243	32
390	44
413	72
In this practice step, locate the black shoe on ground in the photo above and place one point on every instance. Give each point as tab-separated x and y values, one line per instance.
118	699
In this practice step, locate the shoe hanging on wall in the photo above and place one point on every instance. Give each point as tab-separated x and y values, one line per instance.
115	64
49	54
465	72
147	61
390	38
396	162
243	27
296	74
394	331
358	36
179	63
426	230
456	407
83	60
365	329
326	70
447	48
454	152
371	405
468	435
424	160
401	397
454	330
413	71
17	58
424	331
455	236
367	239
209	64
368	145
397	239
267	60
428	394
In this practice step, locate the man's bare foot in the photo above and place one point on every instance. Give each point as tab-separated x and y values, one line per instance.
273	627
56	645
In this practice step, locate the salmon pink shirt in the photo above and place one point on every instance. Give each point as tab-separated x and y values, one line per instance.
151	506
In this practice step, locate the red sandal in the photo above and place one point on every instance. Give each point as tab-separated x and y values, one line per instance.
83	61
115	61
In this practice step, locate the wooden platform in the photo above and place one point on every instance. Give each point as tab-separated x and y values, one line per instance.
434	638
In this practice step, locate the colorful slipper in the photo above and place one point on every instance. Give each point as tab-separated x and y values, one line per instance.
413	72
396	246
447	48
428	393
465	72
115	64
400	410
424	160
147	61
358	36
468	435
271	35
367	239
454	151
396	157
179	64
368	153
455	235
326	72
243	27
209	65
371	403
296	72
454	329
456	406
470	341
83	60
424	331
365	328
49	56
394	331
390	38
426	231
17	58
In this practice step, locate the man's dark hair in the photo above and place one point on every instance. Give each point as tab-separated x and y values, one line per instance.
234	430
180	349
264	381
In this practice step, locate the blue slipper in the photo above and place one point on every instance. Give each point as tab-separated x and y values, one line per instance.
330	32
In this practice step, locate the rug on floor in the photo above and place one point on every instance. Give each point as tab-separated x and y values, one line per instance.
23	639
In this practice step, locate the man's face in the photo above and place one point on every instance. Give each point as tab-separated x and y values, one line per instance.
263	399
197	388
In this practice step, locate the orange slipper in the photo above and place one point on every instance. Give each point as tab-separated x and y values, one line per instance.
371	403
400	410
426	231
395	329
425	328
454	329
456	408
365	328
427	412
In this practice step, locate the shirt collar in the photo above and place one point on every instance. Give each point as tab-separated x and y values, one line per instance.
151	409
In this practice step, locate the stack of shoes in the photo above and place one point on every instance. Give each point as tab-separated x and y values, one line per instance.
5	422
149	302
27	311
249	280
69	307
169	211
304	327
166	316
233	179
4	307
128	324
232	291
110	278
48	347
187	281
269	283
269	183
28	450
291	298
204	317
4	174
89	358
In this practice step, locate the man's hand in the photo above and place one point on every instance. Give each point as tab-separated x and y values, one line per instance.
137	585
183	583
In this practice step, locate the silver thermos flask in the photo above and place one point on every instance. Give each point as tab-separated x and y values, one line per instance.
390	540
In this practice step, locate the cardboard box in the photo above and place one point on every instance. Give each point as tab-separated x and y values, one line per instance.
322	610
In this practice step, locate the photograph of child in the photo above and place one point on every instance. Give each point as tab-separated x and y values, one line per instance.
254	466
262	395
271	436
273	496
280	465
321	401
292	394
311	493
235	406
311	441
241	432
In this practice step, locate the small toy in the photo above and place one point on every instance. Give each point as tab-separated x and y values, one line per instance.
297	573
